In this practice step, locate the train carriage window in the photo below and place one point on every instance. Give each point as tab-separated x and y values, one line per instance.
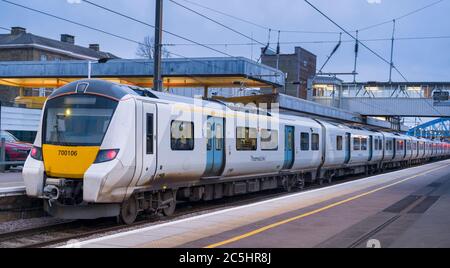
408	145
269	140
182	136
246	139
304	141
356	144
209	137
400	145
364	144
315	139
339	144
219	136
389	145
149	134
380	144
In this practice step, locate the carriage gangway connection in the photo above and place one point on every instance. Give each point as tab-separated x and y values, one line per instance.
406	208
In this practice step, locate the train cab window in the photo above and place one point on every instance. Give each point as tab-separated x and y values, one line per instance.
149	134
363	144
78	120
339	144
182	136
356	144
246	139
269	140
304	141
315	140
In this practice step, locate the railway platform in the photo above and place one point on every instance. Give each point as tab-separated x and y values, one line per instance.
406	208
11	183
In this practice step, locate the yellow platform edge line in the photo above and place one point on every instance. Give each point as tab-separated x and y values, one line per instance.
279	223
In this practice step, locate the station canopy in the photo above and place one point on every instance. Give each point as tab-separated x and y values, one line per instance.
185	73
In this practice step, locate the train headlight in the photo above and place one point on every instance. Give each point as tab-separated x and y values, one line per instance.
36	153
106	155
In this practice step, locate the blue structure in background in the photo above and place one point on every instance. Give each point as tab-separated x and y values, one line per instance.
439	128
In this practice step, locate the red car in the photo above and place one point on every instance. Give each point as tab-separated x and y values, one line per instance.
15	150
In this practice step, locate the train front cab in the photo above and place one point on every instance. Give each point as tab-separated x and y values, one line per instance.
78	159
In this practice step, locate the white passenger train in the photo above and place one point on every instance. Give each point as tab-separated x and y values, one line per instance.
105	149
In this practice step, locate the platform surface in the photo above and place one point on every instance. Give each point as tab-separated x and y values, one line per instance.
11	179
406	208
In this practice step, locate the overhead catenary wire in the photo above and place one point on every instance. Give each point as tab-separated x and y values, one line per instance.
320	41
400	17
152	26
217	22
104	32
263	27
359	41
71	21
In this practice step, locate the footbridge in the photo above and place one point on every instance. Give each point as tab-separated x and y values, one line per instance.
384	99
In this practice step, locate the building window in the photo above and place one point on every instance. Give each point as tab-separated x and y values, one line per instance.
246	139
182	136
356	144
363	144
149	134
43	57
315	140
269	140
339	143
304	141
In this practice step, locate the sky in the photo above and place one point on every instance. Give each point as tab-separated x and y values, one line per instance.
417	60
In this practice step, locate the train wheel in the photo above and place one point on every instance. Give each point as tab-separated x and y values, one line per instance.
129	210
169	199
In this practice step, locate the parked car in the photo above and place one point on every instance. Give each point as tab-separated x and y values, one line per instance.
15	150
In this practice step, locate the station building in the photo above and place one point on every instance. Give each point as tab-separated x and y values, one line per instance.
298	67
19	45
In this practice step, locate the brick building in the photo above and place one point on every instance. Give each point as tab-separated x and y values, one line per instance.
299	67
19	45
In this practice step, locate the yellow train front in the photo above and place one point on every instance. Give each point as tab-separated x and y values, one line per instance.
77	150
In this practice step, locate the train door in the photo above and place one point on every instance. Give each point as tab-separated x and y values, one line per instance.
289	147
149	128
370	148
348	147
215	147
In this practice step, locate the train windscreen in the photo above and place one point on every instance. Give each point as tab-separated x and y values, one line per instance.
77	120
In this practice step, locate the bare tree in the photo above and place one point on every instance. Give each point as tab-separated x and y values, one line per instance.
146	49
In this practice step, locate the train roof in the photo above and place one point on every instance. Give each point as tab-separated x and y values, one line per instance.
94	86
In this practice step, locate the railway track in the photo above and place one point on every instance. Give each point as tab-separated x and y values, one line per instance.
59	233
